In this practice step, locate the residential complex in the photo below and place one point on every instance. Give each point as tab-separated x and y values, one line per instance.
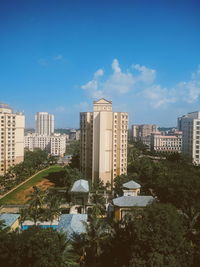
103	142
11	138
190	126
142	132
166	143
74	134
44	123
53	144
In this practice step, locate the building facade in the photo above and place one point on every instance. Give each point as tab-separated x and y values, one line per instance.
166	143
103	142
142	132
44	123
11	138
54	144
190	126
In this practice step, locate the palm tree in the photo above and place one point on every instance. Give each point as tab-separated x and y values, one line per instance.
98	204
36	202
23	215
91	243
52	210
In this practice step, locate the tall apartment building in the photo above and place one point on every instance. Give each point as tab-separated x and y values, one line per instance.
11	138
142	132
44	123
103	142
54	144
190	126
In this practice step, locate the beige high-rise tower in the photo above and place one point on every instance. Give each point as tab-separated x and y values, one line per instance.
103	142
11	138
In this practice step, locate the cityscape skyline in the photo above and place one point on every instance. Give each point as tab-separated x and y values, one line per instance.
58	57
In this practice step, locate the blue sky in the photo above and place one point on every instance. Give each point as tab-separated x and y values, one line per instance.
58	56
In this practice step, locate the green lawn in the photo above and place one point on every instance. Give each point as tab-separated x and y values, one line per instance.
12	197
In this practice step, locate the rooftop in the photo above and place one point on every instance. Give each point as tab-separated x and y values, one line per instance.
80	186
133	201
9	218
131	185
72	223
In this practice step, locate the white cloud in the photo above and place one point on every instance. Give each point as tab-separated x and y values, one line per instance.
98	73
58	57
119	82
115	66
158	96
142	80
146	75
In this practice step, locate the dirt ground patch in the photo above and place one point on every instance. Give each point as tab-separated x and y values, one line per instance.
22	196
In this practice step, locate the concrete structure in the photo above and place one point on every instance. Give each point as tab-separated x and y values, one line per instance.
103	142
53	144
166	143
11	138
44	123
142	132
131	188
72	224
125	204
79	195
74	134
10	220
190	126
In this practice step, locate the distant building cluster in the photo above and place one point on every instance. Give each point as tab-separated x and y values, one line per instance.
148	134
44	137
103	139
54	144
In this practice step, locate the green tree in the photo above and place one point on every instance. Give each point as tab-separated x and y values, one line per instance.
98	205
36	202
53	202
90	245
36	247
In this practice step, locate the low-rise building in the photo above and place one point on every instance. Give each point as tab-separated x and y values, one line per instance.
124	205
166	143
131	188
79	195
10	220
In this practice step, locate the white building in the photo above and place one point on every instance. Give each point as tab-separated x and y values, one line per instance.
103	142
54	144
11	138
190	126
58	145
166	143
44	123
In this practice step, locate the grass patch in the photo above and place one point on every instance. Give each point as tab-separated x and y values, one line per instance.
12	198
